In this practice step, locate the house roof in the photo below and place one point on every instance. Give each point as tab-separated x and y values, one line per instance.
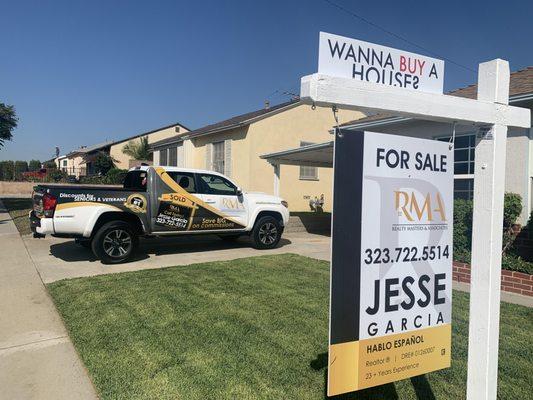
149	132
88	149
230	123
521	83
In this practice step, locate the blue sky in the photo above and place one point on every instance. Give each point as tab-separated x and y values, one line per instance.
81	72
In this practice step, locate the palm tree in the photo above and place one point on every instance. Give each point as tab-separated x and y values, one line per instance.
137	149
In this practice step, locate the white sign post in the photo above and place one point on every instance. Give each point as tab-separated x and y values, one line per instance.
492	111
489	178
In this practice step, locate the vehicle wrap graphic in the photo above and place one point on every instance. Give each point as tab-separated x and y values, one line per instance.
182	211
137	203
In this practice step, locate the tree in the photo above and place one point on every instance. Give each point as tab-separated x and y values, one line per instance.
35	165
50	165
103	162
137	149
20	167
8	122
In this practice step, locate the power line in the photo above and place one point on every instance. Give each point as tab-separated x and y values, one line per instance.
338	6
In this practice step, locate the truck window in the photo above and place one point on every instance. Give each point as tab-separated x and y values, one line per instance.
184	179
214	184
136	180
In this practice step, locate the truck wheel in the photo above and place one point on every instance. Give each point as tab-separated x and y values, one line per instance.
266	233
115	242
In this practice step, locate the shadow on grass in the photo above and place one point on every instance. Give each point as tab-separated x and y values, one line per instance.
420	384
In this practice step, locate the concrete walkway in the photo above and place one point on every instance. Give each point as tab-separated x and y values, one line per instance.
37	359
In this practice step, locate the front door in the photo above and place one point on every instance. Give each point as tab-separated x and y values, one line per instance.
221	194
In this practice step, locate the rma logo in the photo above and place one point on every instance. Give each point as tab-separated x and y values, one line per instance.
419	208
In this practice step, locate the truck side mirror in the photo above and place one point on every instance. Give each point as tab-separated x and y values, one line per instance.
239	191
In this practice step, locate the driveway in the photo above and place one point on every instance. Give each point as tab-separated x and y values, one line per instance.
57	259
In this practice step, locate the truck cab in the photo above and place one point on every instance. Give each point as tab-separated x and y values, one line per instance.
157	201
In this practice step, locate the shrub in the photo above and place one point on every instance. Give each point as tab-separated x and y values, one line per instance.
115	176
103	162
50	165
92	180
56	175
512	207
462	232
513	262
6	170
462	229
20	167
34	165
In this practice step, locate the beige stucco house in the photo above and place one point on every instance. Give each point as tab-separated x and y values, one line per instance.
519	149
79	162
124	161
233	147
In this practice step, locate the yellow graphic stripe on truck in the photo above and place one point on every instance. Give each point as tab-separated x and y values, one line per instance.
64	206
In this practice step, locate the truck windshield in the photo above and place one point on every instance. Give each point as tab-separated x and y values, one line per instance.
136	180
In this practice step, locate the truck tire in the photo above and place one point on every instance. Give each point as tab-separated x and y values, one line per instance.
266	233
115	242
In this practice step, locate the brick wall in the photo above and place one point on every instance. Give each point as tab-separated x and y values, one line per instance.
512	281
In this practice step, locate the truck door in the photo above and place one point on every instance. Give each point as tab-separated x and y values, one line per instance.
174	202
221	194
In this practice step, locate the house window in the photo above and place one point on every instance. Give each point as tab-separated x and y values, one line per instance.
308	173
163	157
463	166
218	157
173	156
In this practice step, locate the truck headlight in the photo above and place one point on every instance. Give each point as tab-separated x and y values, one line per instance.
285	204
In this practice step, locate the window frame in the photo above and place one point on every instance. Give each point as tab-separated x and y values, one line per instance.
222	145
470	175
301	176
203	186
161	158
191	175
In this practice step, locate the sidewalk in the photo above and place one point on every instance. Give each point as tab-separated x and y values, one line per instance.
37	359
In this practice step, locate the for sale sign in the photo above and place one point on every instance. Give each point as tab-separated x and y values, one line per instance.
369	62
391	270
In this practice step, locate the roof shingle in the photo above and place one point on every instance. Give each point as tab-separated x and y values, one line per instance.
226	124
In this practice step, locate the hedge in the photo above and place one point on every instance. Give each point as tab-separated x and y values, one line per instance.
462	232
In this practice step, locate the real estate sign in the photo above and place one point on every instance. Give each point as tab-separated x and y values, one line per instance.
391	270
351	58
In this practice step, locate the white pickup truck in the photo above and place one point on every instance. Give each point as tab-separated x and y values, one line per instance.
156	201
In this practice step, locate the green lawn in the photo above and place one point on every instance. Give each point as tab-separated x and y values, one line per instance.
18	210
254	328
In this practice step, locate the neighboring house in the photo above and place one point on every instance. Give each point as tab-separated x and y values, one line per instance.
519	160
80	162
124	161
61	163
519	153
233	147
